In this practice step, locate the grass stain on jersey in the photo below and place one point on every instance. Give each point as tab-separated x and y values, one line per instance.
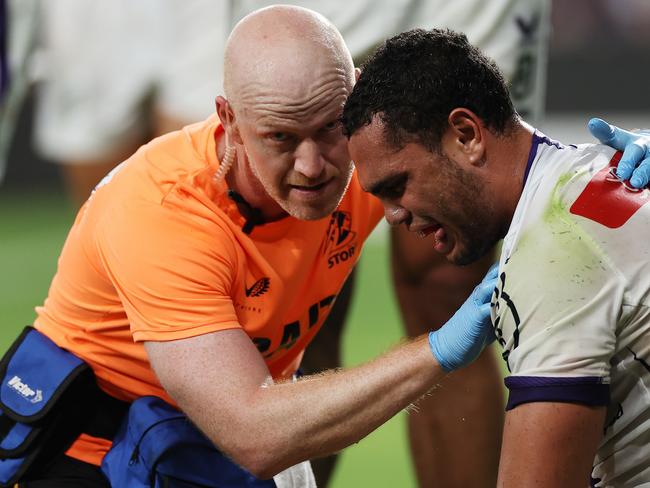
572	257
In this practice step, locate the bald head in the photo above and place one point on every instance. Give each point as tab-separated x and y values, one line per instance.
287	76
284	51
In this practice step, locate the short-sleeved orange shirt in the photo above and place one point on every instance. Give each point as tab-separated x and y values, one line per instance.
158	254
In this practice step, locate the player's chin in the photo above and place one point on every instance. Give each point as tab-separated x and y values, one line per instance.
465	253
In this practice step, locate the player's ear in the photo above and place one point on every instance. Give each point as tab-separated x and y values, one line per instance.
464	140
357	73
228	119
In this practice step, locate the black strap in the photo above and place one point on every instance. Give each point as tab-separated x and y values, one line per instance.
107	415
253	215
5	425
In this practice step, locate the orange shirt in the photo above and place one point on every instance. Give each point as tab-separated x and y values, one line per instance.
157	254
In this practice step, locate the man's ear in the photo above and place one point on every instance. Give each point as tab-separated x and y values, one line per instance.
228	119
464	139
357	73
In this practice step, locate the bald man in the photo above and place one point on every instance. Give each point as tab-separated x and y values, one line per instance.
197	273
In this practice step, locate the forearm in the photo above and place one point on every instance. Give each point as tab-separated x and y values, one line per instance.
222	383
317	415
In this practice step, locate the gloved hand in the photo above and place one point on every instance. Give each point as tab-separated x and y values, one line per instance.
635	147
463	337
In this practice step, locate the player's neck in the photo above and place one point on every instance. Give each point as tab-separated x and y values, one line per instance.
513	151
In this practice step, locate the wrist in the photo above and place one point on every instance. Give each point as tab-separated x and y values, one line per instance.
437	349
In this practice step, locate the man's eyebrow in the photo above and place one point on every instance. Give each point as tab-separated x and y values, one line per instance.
387	184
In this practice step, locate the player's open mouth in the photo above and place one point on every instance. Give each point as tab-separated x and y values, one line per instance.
442	243
427	231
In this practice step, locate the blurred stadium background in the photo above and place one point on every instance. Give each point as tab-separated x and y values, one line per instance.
598	66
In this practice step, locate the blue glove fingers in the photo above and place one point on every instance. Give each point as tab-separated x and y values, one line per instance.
632	154
641	175
464	336
492	273
609	134
461	340
601	130
635	147
487	329
483	291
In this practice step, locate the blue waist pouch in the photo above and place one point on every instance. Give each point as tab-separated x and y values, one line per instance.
158	447
45	395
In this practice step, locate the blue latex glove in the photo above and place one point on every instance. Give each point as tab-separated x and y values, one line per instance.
635	147
463	337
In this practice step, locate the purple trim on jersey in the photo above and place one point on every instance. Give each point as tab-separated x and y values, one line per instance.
538	138
588	390
531	155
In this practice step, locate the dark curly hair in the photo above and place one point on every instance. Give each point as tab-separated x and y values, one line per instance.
415	79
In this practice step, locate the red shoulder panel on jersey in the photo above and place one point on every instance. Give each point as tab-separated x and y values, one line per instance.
607	200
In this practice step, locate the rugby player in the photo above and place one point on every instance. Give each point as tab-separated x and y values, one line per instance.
434	135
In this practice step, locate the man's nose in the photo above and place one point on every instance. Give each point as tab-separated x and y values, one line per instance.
396	215
309	160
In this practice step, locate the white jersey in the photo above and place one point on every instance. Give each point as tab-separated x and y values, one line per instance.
572	306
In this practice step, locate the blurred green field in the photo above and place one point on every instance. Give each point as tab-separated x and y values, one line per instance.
33	226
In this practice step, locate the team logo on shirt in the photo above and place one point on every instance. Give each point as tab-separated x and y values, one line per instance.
260	287
340	240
